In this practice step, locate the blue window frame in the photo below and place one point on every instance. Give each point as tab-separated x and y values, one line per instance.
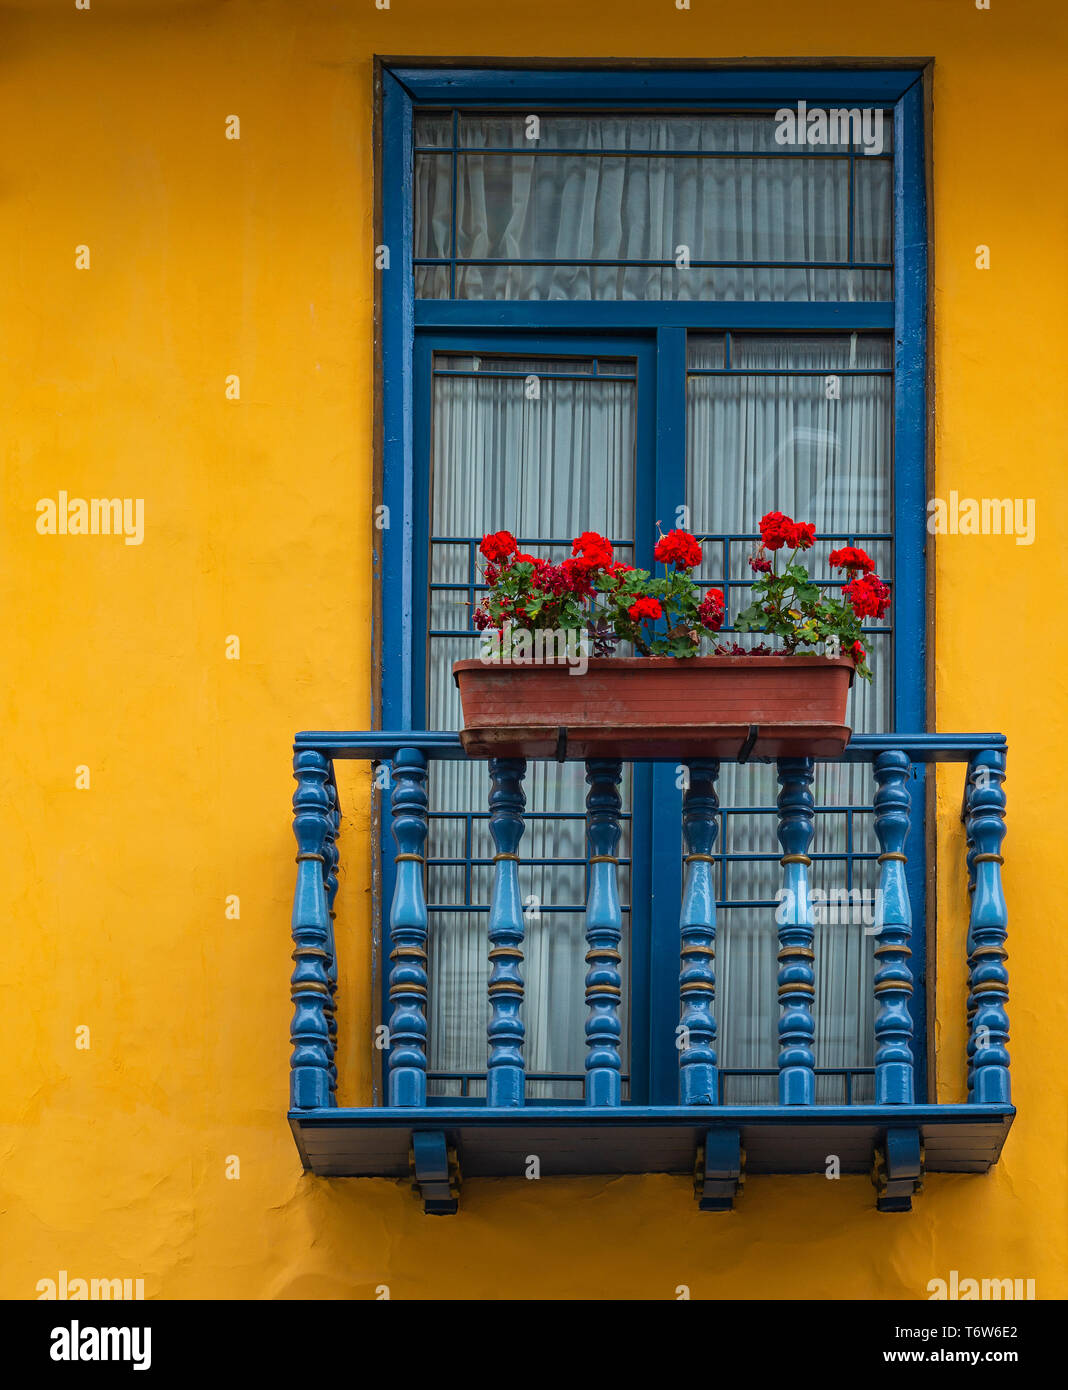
654	333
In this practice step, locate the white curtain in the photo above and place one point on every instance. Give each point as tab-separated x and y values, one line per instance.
549	467
638	188
758	444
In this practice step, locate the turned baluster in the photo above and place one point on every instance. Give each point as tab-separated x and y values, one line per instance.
893	982
698	1084
408	932
988	976
797	976
331	857
604	932
310	982
505	1083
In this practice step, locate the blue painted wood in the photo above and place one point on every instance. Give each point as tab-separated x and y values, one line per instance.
893	981
910	495
797	977
988	976
969	860
310	983
505	1081
623	316
408	933
331	858
396	293
698	1083
666	85
604	932
647	1139
370	744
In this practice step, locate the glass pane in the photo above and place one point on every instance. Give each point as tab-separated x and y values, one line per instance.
758	443
574	207
548	200
717	133
546	467
873	210
584	282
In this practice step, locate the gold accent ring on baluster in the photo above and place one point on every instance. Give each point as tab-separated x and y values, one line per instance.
603	859
987	859
601	953
506	951
699	858
498	857
892	854
302	857
795	859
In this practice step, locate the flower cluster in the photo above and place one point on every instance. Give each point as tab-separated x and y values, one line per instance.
593	593
792	607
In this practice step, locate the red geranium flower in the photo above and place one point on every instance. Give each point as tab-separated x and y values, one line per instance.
868	596
851	557
774	529
678	548
713	610
595	549
801	535
645	608
857	652
759	565
498	545
522	558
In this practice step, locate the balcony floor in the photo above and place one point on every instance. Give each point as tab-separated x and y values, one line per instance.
575	1140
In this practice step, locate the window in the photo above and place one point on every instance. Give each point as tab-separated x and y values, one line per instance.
607	316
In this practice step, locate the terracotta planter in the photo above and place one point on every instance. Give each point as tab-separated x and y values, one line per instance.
705	706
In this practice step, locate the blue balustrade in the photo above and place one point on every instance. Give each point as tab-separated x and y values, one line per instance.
897	1130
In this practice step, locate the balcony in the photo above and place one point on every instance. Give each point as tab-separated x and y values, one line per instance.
437	1142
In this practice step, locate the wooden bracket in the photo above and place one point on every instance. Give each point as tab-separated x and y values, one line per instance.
748	744
897	1170
435	1172
719	1172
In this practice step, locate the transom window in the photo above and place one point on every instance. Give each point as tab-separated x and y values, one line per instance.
646	206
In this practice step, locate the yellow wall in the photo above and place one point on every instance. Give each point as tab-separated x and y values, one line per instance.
211	257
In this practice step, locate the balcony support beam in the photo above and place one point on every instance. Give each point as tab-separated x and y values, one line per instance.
720	1170
897	1171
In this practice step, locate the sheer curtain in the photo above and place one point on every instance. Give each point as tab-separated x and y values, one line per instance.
548	467
777	442
637	188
